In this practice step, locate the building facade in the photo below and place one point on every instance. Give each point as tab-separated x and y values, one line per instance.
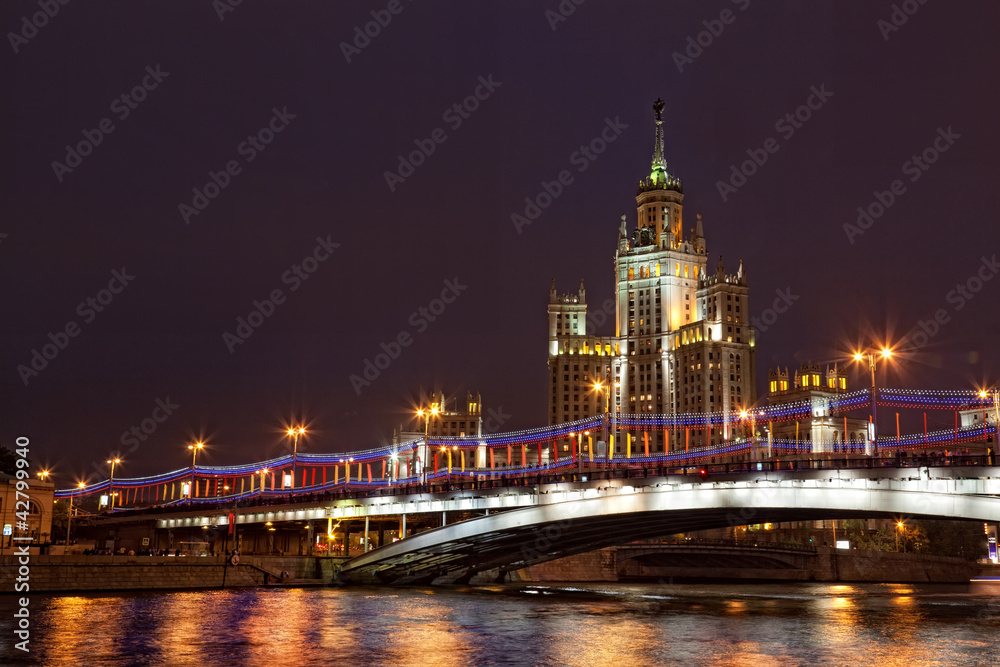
683	340
15	512
825	431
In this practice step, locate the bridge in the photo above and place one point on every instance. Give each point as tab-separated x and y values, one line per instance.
458	508
498	525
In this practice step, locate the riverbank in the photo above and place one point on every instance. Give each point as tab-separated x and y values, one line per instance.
630	563
822	564
64	574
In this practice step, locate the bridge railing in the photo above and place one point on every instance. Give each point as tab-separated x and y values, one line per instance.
533	482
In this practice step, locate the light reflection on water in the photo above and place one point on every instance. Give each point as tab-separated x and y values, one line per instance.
582	624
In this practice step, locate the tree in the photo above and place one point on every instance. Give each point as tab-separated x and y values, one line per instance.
8	461
963	539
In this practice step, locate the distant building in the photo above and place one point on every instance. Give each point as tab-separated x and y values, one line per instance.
682	342
39	512
813	384
444	422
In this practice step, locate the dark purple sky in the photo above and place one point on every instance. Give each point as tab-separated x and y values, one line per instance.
323	175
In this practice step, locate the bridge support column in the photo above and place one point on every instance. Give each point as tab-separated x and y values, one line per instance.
366	534
402	526
444	518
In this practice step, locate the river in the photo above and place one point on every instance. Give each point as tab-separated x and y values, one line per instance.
539	624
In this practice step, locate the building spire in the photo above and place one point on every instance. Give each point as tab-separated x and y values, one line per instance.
659	179
659	161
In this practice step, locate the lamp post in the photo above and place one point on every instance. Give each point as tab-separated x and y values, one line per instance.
872	356
69	517
295	432
609	419
111	482
195	448
995	392
421	460
263	471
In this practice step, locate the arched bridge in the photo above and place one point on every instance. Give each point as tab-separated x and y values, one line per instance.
561	517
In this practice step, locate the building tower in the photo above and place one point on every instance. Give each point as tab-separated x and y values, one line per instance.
682	339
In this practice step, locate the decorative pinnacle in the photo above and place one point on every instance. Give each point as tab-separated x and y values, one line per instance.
659	178
658	106
659	161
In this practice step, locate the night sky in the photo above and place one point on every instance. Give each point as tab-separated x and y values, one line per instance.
313	184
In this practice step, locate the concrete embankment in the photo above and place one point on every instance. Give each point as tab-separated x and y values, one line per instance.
825	564
121	573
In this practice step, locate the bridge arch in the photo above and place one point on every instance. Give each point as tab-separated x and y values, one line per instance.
565	522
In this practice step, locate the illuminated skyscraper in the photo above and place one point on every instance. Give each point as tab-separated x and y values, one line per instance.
682	342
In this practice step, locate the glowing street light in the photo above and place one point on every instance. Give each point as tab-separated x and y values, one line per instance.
263	471
111	482
195	448
295	432
69	517
872	355
426	414
609	413
984	394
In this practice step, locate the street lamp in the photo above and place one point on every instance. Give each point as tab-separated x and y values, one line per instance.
111	482
426	414
195	448
900	527
69	517
263	471
609	421
995	392
295	432
872	355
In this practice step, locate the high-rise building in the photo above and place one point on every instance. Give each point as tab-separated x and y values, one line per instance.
683	340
